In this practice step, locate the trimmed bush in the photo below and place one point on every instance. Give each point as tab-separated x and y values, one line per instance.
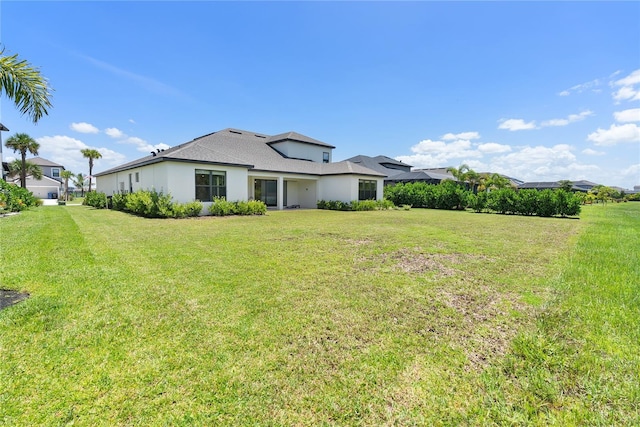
95	199
223	207
14	198
152	204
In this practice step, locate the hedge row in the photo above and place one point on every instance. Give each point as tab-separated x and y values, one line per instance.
149	204
356	205
527	202
449	195
446	195
14	198
223	207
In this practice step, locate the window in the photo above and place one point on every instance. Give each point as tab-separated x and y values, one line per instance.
325	157
210	184
367	189
137	176
130	184
55	172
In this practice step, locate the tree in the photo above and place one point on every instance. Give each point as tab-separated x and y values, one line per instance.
24	84
22	142
66	175
493	182
91	154
30	169
459	173
78	181
565	185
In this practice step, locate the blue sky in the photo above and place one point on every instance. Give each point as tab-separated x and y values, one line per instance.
540	91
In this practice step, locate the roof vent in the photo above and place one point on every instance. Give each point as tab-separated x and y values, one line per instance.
235	131
153	153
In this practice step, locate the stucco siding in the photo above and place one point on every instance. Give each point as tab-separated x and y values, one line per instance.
297	150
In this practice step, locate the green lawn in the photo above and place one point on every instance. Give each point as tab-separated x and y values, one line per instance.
416	317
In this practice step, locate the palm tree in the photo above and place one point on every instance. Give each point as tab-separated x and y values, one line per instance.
91	154
29	169
22	142
24	84
66	175
78	181
464	174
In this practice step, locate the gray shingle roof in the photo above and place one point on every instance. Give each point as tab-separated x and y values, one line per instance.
294	136
376	164
44	162
246	149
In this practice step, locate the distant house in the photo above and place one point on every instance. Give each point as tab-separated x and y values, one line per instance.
285	170
398	171
429	176
51	185
582	185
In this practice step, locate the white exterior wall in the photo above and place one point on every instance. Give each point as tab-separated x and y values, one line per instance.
42	187
182	180
175	178
345	187
298	150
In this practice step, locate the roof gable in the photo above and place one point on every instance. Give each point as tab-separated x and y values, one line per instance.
294	136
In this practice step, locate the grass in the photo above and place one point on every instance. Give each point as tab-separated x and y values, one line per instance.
321	318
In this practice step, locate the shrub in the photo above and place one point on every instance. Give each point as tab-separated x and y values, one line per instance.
477	202
223	207
527	202
546	203
364	205
119	202
192	208
257	207
14	198
95	199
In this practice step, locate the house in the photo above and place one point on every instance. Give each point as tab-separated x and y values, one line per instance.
399	172
51	185
285	170
582	186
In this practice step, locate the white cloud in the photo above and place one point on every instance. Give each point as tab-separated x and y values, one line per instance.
631	115
114	133
132	121
429	153
570	119
84	127
629	132
592	85
493	148
628	91
632	171
592	152
463	135
66	151
542	163
516	124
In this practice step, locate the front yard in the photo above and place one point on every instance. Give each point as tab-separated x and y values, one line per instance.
413	317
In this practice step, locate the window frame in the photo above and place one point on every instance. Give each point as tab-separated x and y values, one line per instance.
367	189
213	188
54	174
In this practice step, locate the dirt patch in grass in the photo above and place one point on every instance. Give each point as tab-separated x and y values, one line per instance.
418	261
482	328
9	297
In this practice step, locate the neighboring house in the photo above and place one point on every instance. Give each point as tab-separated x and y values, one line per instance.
430	176
45	188
51	185
583	186
285	170
398	171
49	168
